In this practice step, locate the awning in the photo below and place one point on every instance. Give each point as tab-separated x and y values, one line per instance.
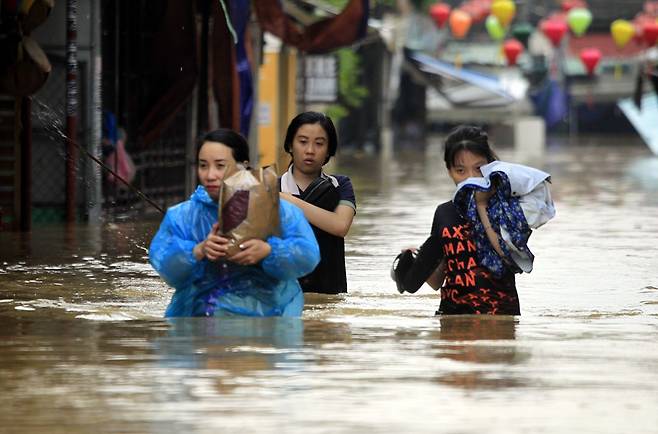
462	86
644	120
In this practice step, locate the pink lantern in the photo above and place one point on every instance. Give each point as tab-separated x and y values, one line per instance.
554	29
590	58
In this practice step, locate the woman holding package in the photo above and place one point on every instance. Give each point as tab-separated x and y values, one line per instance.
328	201
479	239
191	256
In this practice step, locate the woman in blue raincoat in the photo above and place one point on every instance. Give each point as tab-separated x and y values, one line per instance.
189	254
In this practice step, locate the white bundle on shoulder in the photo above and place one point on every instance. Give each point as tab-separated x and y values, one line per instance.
531	186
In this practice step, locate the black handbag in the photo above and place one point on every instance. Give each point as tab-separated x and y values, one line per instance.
401	266
321	192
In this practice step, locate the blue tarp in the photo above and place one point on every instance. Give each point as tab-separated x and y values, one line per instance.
551	102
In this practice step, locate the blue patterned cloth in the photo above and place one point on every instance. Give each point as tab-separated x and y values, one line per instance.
504	211
205	288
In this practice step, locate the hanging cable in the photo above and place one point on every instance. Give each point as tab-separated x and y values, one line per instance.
228	22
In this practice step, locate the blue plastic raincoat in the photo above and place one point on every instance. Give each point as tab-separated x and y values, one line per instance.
207	288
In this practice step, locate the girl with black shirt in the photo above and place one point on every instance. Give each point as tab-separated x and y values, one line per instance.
448	258
328	201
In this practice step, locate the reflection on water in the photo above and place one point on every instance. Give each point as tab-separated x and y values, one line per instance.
83	346
478	341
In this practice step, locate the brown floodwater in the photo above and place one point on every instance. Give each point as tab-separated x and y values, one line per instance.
84	347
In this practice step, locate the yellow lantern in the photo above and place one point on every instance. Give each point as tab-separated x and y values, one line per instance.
504	10
622	32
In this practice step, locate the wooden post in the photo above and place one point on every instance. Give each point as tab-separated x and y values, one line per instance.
25	144
202	101
71	107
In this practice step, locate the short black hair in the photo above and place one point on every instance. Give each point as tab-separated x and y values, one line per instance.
312	118
230	138
467	138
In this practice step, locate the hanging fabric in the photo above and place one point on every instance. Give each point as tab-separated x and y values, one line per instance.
320	37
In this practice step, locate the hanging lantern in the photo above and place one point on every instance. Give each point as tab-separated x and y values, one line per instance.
477	9
567	5
512	49
554	29
494	28
650	32
622	32
460	23
579	20
504	10
590	58
440	13
522	32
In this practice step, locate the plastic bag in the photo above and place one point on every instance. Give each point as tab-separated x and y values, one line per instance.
249	206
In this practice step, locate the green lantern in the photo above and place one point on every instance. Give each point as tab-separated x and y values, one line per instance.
522	32
579	20
494	28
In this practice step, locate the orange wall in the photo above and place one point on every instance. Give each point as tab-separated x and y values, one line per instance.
268	109
277	105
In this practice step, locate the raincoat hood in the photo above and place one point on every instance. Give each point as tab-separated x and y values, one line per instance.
201	196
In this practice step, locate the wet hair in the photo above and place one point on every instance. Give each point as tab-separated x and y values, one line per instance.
312	118
467	138
230	138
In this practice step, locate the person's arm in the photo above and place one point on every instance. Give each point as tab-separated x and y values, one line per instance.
425	266
481	199
171	254
295	253
336	222
438	276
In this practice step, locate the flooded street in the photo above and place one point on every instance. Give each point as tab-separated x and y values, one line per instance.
84	348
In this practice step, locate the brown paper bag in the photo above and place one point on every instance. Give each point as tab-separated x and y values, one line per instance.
249	206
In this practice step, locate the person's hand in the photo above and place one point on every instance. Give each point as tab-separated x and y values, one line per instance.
482	197
214	247
252	252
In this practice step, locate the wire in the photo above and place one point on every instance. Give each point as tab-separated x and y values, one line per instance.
228	22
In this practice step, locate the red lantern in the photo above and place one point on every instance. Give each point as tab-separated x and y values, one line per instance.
554	29
567	5
476	10
440	13
650	32
590	58
512	49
